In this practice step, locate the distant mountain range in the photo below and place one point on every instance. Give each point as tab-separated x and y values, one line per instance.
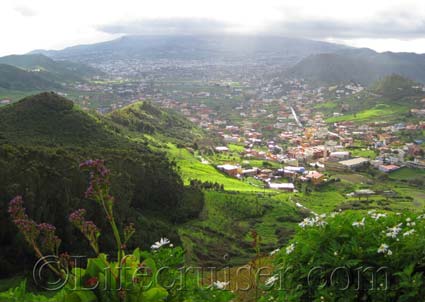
359	65
318	62
211	48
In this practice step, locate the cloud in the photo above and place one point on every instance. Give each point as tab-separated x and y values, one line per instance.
322	29
168	26
25	11
386	24
403	25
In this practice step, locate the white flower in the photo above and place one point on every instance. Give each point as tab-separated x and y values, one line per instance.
290	248
376	216
299	205
408	219
274	252
421	216
408	233
160	243
411	223
394	231
359	223
271	280
307	222
220	284
385	249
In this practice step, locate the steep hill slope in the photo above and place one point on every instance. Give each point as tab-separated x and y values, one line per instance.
12	78
395	86
145	118
43	140
58	71
388	98
52	120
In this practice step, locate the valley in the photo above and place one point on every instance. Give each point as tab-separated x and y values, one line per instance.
235	159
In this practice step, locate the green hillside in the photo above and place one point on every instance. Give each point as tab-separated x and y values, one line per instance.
43	140
45	67
52	120
360	65
145	118
387	99
395	86
12	78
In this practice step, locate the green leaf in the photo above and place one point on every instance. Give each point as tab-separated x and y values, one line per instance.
155	294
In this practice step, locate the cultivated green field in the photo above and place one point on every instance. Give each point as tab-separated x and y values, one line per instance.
226	222
379	111
407	174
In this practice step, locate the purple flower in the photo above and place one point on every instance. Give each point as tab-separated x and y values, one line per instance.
28	228
16	208
77	217
99	178
87	228
49	241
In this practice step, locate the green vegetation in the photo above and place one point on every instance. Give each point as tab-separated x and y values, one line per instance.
407	174
373	256
388	99
362	66
44	138
226	223
380	111
165	125
12	78
191	167
132	277
50	70
395	86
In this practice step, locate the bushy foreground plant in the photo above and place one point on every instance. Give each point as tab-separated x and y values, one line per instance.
148	276
352	256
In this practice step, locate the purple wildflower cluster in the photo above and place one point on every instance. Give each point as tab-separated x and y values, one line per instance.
99	177
43	233
49	240
86	227
16	208
28	228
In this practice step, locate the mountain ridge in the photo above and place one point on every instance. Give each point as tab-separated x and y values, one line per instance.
363	66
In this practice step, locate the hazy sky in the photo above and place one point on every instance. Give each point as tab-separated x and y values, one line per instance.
54	24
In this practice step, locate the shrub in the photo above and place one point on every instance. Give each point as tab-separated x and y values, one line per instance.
352	256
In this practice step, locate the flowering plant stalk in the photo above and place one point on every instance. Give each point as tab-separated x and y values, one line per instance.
41	237
133	277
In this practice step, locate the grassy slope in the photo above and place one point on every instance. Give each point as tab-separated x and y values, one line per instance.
381	111
387	99
145	118
407	174
192	168
227	221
